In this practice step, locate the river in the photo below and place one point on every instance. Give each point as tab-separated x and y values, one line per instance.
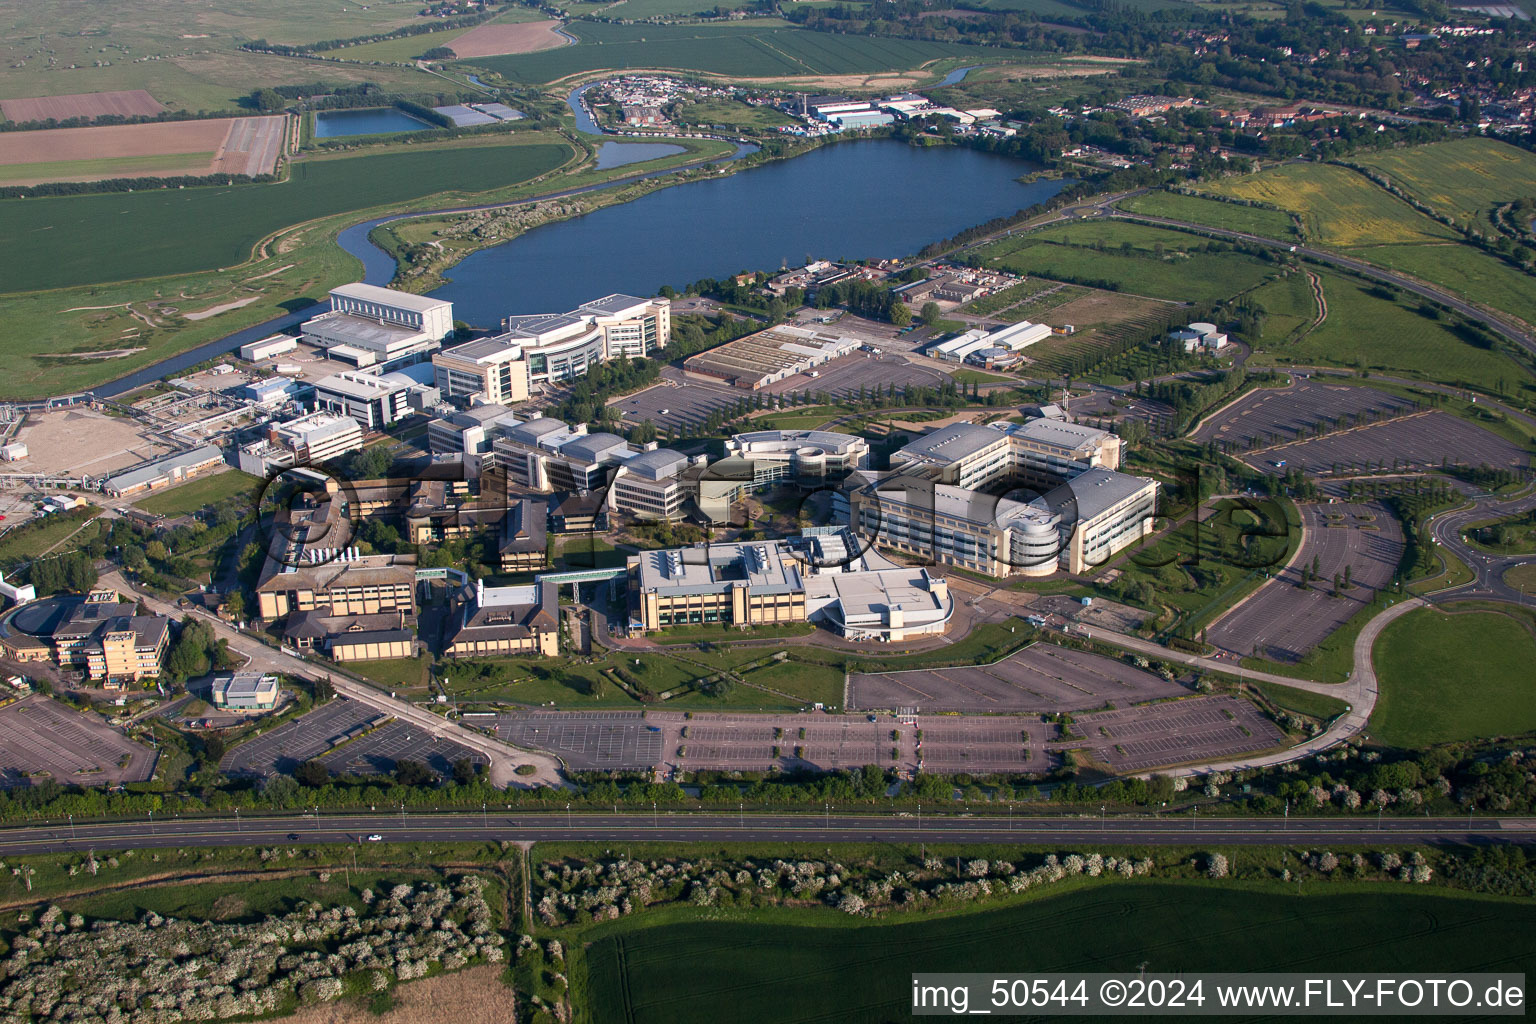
848	200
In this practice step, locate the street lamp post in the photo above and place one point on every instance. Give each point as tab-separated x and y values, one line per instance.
71	826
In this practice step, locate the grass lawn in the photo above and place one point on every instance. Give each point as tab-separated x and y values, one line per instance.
1303	702
797	969
78	240
1522	576
1130	258
751	49
1464	178
1253	220
1365	330
725	632
1337	206
714	110
41	534
392	672
201	491
1464	271
1447	677
1288	305
813	683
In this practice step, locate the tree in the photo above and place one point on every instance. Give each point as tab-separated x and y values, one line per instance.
369	463
413	773
134	557
324	690
234	604
465	771
930	313
214	748
901	316
267	100
191	654
312	774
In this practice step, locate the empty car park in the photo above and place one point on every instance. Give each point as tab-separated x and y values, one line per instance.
844	377
378	751
283	749
584	740
1427	440
1040	677
1282	620
43	739
1175	732
1268	416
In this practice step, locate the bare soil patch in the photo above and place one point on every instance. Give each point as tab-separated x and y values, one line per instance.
240	145
128	103
473	996
495	40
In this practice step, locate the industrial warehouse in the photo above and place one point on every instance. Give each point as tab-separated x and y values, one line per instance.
764	358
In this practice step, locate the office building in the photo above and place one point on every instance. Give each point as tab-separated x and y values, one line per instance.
352	637
317	437
1027	498
336	583
245	691
497	621
545	348
650	485
375	401
469	432
802	456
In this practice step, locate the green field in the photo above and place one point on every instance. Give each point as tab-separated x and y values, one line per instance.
1463	271
77	240
713	110
743	50
1522	576
204	490
1450	677
1253	220
1303	702
1288	305
1464	179
1337	206
197	64
392	672
149	165
39	535
793	973
637	10
1366	330
1134	258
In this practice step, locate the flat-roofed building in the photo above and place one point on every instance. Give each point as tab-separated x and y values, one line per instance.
127	649
767	357
650	485
432	317
547	455
470	431
317	437
342	583
806	456
747	584
497	621
172	469
374	401
895	604
368	343
245	691
268	348
491	368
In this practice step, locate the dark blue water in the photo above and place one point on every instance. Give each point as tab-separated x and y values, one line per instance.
332	124
622	154
850	200
957	76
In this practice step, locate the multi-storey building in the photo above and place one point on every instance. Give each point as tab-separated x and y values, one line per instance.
494	621
800	456
312	439
432	317
1026	498
650	485
336	583
375	401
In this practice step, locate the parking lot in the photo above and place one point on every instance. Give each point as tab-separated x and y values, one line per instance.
677	403
586	740
1269	416
283	749
41	738
843	377
1424	441
377	752
1197	729
983	745
1282	621
1039	678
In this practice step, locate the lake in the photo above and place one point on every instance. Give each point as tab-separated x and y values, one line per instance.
333	124
622	154
848	200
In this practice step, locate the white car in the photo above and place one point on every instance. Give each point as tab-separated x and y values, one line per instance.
375	838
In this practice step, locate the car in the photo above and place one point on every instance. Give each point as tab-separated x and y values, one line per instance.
292	836
375	838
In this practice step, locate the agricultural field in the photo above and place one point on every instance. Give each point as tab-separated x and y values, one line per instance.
186	58
1363	329
1448	677
638	10
1102	319
201	491
126	103
1132	258
1464	179
763	49
1253	220
786	972
76	240
1337	206
506	35
1464	271
242	145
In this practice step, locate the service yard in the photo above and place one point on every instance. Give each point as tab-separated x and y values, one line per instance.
42	739
231	145
78	441
1040	678
1284	620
